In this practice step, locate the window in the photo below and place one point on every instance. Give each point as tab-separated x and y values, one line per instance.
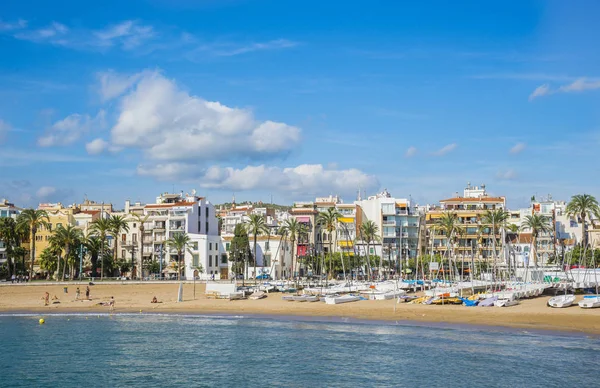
223	259
58	225
50	227
210	246
195	246
134	237
206	227
227	247
123	237
210	260
134	224
123	253
267	260
195	260
267	246
206	212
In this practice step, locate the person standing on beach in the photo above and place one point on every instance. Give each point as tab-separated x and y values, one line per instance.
111	304
87	292
77	294
46	299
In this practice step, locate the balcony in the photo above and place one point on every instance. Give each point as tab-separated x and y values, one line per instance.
176	227
401	212
389	223
159	226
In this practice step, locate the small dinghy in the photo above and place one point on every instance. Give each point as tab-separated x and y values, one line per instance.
506	302
561	301
590	302
258	295
488	302
341	299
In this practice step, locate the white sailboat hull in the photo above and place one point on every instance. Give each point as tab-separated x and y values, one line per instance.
590	303
341	299
561	301
506	302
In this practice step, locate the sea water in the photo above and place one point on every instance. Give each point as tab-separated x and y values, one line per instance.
145	350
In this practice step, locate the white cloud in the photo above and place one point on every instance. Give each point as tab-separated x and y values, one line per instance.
541	90
517	148
69	130
129	34
52	194
446	149
10	26
231	49
579	85
169	124
410	152
507	175
4	128
303	179
45	191
54	33
96	146
113	85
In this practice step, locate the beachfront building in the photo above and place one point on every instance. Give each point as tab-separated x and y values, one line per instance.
7	210
400	226
151	225
475	241
58	216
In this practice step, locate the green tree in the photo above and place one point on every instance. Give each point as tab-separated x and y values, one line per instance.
292	229
583	206
370	234
101	227
239	249
28	222
537	224
179	242
94	247
141	219
118	224
66	238
48	258
11	239
328	220
255	225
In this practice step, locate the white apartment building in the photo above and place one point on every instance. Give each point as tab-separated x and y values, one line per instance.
170	215
399	225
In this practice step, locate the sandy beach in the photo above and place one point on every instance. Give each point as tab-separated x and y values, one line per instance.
530	314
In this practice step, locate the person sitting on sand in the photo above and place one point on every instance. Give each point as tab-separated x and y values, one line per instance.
154	300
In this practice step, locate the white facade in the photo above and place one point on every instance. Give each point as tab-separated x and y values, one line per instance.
7	210
205	258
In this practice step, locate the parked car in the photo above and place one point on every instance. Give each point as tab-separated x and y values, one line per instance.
264	276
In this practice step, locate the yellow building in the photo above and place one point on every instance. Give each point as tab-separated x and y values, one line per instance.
58	215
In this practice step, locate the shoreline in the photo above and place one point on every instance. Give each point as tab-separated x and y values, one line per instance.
531	314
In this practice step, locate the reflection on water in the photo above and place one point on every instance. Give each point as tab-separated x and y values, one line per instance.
72	350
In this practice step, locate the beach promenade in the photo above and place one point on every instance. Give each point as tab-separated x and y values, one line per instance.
529	314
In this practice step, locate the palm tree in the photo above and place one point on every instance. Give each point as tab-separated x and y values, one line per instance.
370	233
537	224
179	242
10	237
101	227
293	229
328	220
583	205
256	225
117	224
94	246
450	225
497	219
65	238
141	219
28	222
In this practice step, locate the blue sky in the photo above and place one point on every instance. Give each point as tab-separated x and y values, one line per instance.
124	100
